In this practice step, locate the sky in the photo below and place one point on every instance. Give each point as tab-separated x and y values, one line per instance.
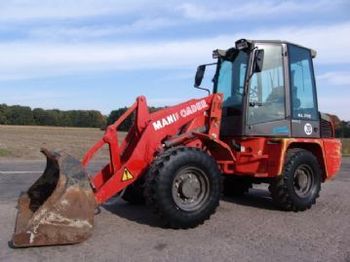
94	54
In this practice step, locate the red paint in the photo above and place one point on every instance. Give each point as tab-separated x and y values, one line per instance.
195	123
332	155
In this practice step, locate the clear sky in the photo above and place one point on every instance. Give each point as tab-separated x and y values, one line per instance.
102	54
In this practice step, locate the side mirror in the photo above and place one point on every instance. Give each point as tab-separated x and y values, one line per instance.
259	60
199	75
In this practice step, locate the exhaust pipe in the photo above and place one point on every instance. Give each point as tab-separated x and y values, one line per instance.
58	208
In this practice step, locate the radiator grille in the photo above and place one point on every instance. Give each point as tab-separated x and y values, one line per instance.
326	128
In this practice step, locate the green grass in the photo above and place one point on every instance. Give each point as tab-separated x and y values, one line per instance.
346	146
4	152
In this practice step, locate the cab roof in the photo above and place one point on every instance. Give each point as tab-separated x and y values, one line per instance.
313	52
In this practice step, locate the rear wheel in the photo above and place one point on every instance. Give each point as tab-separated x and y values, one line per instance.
300	183
183	187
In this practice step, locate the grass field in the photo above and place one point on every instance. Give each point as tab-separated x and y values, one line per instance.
24	142
346	146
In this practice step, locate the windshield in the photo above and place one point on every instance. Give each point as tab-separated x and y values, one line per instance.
230	79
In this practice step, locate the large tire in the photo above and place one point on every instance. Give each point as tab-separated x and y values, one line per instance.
300	183
235	186
134	193
183	187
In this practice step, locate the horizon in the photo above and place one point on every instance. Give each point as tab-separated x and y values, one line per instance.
108	113
101	55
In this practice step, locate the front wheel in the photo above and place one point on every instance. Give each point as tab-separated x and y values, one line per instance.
300	183
133	194
183	186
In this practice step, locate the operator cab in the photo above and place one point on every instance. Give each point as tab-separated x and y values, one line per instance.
268	88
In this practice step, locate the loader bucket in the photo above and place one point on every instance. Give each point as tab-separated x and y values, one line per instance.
58	208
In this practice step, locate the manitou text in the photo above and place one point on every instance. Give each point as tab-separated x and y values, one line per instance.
182	113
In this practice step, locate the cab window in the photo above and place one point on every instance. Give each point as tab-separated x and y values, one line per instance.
266	98
231	78
302	83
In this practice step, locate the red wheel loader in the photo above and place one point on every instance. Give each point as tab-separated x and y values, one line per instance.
261	124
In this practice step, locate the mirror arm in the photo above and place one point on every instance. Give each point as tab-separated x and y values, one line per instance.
198	83
248	79
252	73
202	88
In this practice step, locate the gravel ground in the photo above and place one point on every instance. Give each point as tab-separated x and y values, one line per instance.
243	229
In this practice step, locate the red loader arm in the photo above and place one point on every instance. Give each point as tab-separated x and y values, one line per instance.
192	123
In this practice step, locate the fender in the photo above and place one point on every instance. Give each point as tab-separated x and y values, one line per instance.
220	151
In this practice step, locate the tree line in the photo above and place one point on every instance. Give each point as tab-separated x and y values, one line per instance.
343	129
24	115
125	126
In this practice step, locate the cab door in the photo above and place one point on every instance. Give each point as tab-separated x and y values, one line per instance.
266	98
304	111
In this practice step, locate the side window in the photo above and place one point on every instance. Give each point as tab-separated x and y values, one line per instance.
225	80
242	72
231	80
266	89
302	84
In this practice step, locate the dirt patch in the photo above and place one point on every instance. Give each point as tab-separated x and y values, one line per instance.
24	142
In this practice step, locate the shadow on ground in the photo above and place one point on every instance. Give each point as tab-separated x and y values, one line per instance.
257	198
137	213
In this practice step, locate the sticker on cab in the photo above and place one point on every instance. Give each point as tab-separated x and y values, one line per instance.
308	129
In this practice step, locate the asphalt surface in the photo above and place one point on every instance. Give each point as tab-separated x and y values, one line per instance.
243	229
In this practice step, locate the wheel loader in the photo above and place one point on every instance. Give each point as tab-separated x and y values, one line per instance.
259	124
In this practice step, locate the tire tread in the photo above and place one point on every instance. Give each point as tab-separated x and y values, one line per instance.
152	186
279	187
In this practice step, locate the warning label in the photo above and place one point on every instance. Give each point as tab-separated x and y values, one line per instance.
126	175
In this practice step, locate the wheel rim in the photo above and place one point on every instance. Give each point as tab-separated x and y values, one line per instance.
190	188
303	180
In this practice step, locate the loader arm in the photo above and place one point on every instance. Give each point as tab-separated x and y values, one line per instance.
59	207
150	135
